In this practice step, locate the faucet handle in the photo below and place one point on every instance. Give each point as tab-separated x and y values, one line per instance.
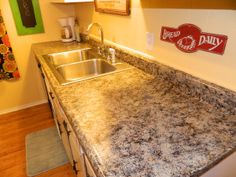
86	36
102	51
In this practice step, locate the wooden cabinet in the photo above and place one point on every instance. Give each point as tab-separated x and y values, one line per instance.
78	155
75	153
225	168
74	150
50	96
189	4
89	169
69	139
59	117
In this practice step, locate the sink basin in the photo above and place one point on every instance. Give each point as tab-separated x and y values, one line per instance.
85	69
62	58
83	64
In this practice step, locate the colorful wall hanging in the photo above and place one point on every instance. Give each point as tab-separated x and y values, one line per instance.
189	38
8	67
27	16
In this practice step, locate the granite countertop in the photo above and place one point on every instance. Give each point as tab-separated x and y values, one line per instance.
135	124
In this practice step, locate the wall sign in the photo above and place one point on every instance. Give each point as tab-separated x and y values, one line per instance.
120	7
27	16
189	38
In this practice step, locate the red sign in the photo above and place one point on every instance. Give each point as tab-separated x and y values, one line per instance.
189	38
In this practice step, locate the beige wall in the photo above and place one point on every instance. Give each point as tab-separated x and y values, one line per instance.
130	31
28	90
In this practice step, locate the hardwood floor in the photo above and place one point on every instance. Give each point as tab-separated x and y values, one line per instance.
13	129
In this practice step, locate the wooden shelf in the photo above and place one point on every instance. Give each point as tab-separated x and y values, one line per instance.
189	4
70	1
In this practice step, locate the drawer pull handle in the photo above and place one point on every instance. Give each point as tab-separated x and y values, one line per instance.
51	95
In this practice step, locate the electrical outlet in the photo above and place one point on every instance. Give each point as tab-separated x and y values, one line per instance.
150	40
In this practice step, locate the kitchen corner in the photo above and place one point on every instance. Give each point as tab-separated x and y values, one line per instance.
117	88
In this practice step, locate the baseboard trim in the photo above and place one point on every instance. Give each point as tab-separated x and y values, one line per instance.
17	108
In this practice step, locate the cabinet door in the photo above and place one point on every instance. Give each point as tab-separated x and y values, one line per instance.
66	143
46	85
55	110
71	144
89	169
78	156
60	119
225	168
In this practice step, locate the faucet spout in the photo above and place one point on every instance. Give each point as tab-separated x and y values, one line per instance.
100	29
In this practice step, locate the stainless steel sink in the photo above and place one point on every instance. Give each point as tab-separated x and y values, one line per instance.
78	65
85	69
61	58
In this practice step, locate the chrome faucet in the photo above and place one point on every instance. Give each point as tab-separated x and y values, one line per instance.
100	29
108	54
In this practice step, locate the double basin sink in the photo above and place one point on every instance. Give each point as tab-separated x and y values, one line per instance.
82	64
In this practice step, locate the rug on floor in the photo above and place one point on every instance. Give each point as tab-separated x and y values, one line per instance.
44	151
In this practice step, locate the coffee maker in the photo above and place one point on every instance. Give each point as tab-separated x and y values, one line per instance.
67	29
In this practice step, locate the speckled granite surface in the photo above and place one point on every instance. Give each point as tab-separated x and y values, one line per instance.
135	124
209	92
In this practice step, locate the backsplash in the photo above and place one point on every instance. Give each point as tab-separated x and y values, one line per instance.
205	91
